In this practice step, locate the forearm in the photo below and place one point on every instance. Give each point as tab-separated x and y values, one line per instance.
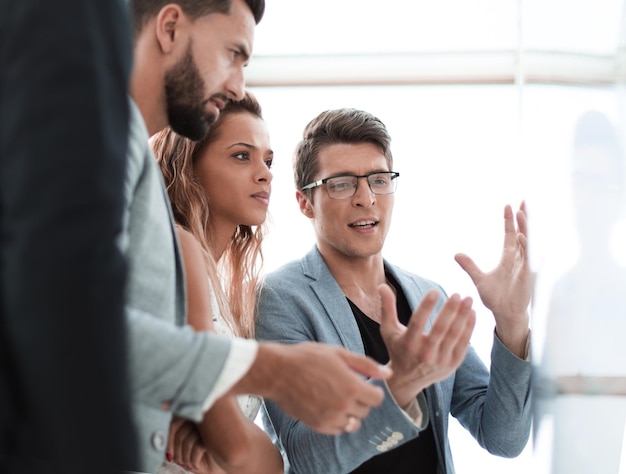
236	443
500	415
184	382
261	378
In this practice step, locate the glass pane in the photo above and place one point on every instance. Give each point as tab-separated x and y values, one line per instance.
298	27
580	26
573	140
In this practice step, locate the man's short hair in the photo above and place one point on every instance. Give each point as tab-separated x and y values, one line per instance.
143	10
348	126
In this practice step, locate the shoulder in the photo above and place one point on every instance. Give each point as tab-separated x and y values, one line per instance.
287	271
138	138
186	238
193	254
287	282
310	267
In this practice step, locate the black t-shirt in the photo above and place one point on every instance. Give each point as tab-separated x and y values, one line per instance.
418	454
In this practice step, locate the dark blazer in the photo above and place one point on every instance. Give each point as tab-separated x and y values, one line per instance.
64	395
301	301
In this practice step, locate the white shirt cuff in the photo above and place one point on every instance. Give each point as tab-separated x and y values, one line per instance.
240	357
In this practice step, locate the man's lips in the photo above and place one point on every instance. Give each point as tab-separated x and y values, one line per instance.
219	104
363	224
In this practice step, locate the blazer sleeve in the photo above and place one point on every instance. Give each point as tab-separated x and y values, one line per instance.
495	407
289	313
173	369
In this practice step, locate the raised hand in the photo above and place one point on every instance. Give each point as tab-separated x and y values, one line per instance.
419	359
506	290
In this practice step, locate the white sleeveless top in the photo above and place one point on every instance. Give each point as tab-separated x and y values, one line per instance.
249	404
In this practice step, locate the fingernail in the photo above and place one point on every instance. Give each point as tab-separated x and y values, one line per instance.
169	457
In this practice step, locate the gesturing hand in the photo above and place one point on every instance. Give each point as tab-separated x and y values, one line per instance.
324	386
506	290
418	359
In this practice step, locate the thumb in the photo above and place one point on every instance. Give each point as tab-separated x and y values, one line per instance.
469	266
389	317
366	366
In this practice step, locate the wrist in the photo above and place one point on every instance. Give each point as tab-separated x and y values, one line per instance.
514	338
260	379
401	393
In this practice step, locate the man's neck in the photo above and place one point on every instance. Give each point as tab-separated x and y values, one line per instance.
147	86
356	276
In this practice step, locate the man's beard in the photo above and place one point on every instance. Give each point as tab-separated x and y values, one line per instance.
184	95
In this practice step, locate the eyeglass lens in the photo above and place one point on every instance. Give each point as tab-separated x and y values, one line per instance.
345	186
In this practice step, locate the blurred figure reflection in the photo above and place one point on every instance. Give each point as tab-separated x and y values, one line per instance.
585	354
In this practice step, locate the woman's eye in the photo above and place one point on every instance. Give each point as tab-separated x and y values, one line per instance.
268	163
241	155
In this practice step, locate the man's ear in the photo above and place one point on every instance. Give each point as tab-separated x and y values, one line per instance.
171	25
305	205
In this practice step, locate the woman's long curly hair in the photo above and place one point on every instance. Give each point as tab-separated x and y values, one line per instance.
236	276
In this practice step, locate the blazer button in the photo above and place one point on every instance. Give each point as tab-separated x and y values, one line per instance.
158	441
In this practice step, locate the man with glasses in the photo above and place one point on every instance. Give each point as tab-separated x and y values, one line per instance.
345	186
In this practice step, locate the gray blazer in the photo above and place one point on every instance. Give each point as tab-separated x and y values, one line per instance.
302	302
169	362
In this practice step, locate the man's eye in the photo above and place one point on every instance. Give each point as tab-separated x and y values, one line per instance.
341	185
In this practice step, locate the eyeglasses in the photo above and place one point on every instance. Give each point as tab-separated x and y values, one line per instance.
341	187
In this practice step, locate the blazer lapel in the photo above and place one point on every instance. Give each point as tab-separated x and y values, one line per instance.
333	301
181	293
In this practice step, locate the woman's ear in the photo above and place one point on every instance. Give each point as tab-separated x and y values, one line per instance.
305	204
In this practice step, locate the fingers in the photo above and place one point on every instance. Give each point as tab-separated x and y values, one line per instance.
175	425
522	225
389	321
464	338
417	323
365	393
468	265
510	232
360	410
186	446
454	346
366	366
352	425
447	329
330	386
522	219
197	455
